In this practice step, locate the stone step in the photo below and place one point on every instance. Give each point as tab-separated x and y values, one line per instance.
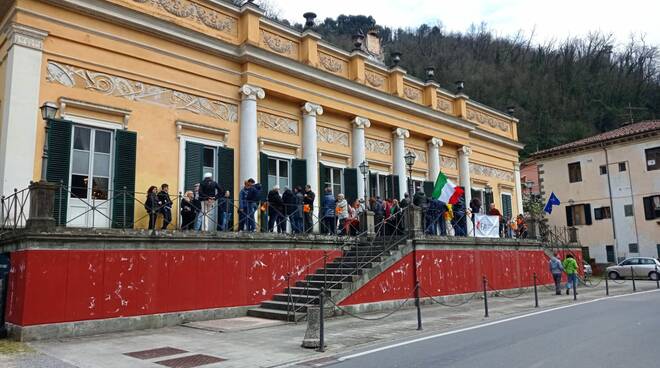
330	277
364	253
296	298
320	284
293	307
276	314
305	290
342	271
350	262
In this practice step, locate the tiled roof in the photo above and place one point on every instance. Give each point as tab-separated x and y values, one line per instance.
624	131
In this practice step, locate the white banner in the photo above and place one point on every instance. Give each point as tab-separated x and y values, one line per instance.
487	226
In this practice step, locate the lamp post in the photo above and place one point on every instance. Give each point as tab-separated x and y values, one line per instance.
364	169
48	112
410	162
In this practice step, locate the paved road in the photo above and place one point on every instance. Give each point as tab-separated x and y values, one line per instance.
615	332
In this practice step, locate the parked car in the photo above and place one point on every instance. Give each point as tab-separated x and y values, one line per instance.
587	269
643	267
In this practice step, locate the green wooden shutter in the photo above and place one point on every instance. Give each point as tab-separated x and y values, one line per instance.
322	180
350	185
123	202
395	188
389	188
569	215
263	179
649	208
587	214
428	188
298	173
194	165
373	184
226	174
506	206
57	170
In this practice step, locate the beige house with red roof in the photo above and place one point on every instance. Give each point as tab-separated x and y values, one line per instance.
609	188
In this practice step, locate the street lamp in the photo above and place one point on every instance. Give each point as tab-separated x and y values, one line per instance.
364	169
48	112
410	161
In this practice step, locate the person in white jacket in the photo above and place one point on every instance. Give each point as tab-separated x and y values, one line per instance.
342	212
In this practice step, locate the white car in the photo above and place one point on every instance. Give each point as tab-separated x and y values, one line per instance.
643	267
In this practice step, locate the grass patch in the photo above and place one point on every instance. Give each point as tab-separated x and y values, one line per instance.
13	347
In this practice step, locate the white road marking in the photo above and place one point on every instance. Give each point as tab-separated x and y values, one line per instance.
403	343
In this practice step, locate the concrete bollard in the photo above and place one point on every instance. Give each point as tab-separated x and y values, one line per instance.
312	338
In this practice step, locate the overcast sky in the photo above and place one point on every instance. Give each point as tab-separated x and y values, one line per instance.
548	19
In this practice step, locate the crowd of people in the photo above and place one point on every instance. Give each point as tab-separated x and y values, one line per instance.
209	207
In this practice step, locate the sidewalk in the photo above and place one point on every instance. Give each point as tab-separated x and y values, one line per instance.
250	342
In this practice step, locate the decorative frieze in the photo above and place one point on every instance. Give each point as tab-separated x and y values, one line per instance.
412	93
374	79
18	34
482	170
484	119
277	123
331	136
330	63
378	146
419	154
279	44
202	15
448	162
444	106
112	85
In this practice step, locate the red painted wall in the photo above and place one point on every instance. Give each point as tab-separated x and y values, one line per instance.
49	286
446	272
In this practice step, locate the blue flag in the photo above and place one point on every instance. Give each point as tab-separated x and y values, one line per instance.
552	201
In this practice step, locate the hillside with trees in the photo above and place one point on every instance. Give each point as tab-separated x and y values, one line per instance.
562	90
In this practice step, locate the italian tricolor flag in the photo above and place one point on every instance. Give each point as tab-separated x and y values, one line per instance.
445	190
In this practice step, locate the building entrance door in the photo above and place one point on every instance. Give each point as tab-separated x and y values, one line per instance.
90	195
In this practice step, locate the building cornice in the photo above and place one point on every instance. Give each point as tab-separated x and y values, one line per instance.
494	138
249	53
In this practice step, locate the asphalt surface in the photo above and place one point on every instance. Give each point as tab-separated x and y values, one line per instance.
614	332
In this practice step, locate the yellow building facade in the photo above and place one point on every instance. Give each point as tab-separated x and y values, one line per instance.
203	82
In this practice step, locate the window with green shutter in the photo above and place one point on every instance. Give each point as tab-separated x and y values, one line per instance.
350	185
506	205
263	179
395	187
57	170
226	174
194	165
298	173
124	179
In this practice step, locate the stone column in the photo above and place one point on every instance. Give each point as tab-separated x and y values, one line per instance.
249	157
434	158
20	106
310	151
398	152
519	198
359	149
464	179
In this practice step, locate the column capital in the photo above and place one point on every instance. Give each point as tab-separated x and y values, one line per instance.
435	142
361	123
18	34
312	109
251	92
466	150
401	133
516	166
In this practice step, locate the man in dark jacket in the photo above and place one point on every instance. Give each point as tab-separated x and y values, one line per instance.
327	214
435	217
225	211
459	222
275	210
308	208
165	205
298	214
379	216
289	199
209	191
253	190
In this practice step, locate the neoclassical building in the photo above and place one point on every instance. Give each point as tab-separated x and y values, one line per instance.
162	91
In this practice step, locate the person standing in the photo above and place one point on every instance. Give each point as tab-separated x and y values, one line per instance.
328	212
342	213
242	206
556	269
275	210
188	211
209	191
289	200
298	214
225	210
252	199
308	208
165	205
151	205
197	204
495	212
570	267
379	216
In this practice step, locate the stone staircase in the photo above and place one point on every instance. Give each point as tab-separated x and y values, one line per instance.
361	262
